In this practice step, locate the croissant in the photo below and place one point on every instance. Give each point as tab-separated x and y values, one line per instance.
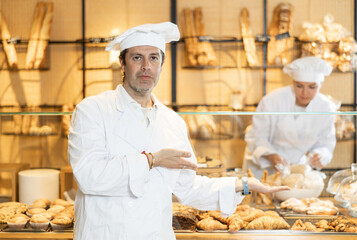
210	224
235	225
271	214
242	207
203	215
217	215
256	213
323	224
298	226
268	223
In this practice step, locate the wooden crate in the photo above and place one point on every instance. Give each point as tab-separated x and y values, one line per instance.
67	181
14	169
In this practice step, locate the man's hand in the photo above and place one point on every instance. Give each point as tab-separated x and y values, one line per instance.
173	158
275	160
256	186
315	160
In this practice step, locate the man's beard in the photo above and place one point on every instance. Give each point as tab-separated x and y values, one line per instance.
140	90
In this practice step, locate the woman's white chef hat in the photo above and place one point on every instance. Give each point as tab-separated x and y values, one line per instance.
156	35
308	69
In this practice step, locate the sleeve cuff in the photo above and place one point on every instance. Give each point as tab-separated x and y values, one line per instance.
138	173
228	197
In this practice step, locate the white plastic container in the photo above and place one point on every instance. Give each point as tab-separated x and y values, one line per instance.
38	183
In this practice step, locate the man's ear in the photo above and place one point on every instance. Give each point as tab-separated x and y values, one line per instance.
121	61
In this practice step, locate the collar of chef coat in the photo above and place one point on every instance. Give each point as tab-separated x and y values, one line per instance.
124	99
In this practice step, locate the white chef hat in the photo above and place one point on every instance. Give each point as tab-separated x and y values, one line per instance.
308	69
156	35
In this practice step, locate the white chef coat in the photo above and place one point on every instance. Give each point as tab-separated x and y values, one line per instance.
289	136
118	196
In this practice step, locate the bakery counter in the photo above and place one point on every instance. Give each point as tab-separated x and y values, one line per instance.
267	235
36	235
242	235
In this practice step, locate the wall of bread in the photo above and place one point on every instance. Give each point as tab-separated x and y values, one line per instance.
61	81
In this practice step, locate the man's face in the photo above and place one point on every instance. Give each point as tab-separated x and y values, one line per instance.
142	69
304	92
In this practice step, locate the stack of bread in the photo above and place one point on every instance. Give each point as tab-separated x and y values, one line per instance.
197	53
344	127
329	41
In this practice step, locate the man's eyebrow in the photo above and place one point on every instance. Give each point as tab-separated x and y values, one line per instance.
137	53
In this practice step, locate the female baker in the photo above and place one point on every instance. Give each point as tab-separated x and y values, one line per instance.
278	140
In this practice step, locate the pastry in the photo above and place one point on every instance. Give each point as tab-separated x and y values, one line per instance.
217	215
49	215
34	211
242	207
256	213
62	220
268	223
203	215
38	218
183	221
56	208
210	224
61	202
321	210
298	226
235	224
39	221
17	221
271	214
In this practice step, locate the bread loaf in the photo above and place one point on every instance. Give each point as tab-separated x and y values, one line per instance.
9	48
44	36
248	39
35	34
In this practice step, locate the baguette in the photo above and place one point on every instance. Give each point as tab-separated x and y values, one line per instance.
190	38
248	39
44	36
9	49
205	55
34	34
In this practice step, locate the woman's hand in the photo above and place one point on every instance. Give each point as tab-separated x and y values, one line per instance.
173	158
255	185
275	160
315	161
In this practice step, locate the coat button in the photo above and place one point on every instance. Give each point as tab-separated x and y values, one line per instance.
130	204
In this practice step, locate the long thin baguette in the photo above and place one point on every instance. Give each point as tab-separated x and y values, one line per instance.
9	49
44	36
34	34
190	37
206	54
248	39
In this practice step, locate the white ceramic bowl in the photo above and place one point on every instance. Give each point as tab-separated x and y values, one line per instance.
298	193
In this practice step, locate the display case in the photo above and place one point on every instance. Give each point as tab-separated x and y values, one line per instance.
225	149
31	118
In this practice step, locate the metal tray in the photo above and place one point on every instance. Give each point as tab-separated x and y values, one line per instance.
2	226
27	228
291	213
